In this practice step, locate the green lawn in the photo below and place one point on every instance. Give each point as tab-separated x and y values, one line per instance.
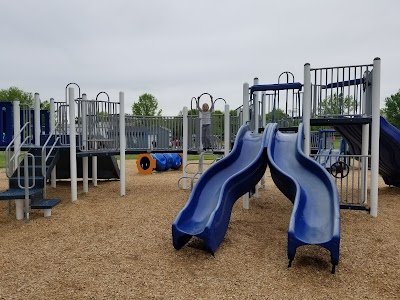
336	143
190	156
2	160
128	156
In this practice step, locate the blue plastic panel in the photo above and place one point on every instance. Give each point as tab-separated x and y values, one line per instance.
208	210
343	83
276	87
389	148
315	218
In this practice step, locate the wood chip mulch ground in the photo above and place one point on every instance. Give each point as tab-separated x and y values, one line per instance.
108	247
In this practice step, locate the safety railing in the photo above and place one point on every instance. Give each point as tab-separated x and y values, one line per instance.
196	174
158	133
194	131
13	150
61	112
97	125
341	91
314	140
26	187
47	150
217	131
350	175
27	117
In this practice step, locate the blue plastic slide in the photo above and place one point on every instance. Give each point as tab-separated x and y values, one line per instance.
315	218
207	213
389	148
389	153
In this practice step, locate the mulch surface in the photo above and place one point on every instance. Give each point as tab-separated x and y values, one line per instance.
105	246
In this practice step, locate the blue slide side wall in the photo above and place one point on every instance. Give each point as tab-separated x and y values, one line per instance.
315	218
208	210
389	148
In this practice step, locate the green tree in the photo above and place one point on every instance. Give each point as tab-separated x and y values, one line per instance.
338	105
45	105
383	113
13	93
193	112
235	112
218	122
392	109
146	105
277	116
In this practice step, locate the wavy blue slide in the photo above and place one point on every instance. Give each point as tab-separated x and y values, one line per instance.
207	212
389	153
315	218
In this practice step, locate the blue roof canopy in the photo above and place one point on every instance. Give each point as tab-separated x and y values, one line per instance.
343	83
276	87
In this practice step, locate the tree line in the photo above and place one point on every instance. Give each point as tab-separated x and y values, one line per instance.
147	105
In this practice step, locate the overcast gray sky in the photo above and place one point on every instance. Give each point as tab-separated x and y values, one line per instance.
177	49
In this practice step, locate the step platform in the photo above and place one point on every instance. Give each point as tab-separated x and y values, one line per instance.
45	203
12	194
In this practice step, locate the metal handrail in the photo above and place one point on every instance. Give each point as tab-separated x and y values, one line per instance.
108	97
62	122
26	187
197	163
195	174
219	99
45	157
10	158
191	103
179	185
341	67
66	90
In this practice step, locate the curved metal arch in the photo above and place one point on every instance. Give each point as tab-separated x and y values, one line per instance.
108	97
288	74
211	98
66	90
191	103
219	99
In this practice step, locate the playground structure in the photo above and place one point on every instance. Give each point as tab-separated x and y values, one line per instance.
47	144
85	148
337	96
348	96
96	133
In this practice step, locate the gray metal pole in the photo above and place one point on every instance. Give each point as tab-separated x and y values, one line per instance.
375	133
72	141
122	143
37	119
307	108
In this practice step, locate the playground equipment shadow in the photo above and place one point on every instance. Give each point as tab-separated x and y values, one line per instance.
108	247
